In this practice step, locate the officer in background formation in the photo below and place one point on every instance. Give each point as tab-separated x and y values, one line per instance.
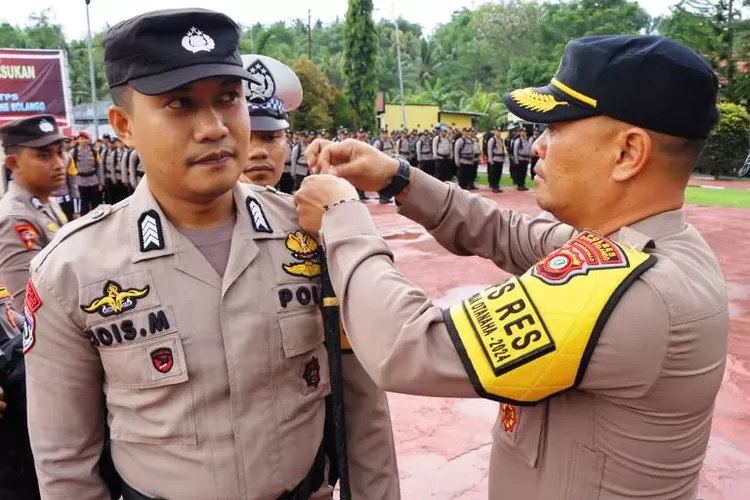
90	173
286	181
29	217
403	144
227	403
362	136
425	159
495	152
509	139
136	172
384	144
299	160
465	157
269	146
534	153
521	156
110	163
67	195
445	167
607	346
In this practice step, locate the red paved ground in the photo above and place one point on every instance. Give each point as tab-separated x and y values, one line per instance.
724	183
443	444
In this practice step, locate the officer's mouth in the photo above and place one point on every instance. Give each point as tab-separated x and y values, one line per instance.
258	168
213	158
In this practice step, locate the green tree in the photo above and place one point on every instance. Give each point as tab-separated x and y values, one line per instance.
728	143
315	112
360	45
714	29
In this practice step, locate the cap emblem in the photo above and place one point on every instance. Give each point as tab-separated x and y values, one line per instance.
531	99
262	86
196	41
46	126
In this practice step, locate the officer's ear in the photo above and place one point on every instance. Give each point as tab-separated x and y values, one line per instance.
634	147
120	113
11	158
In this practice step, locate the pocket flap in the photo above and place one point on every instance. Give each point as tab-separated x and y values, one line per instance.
153	363
521	430
301	332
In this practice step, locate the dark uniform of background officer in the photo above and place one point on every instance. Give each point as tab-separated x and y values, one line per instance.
607	349
200	316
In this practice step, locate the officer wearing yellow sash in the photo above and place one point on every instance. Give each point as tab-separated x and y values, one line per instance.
607	347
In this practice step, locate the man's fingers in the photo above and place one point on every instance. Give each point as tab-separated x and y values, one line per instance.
312	152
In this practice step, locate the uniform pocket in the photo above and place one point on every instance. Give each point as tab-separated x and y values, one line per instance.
585	476
303	375
521	430
148	392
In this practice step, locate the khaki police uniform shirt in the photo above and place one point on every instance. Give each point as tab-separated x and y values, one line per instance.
638	423
214	386
26	226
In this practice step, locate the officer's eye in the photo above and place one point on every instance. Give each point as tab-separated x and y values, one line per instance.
180	103
230	96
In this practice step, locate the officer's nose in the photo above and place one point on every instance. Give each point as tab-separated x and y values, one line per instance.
209	125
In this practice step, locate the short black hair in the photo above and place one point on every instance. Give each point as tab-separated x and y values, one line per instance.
121	96
12	150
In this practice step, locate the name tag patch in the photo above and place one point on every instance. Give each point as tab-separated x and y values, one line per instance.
137	326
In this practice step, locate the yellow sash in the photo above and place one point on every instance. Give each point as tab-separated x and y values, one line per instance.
532	337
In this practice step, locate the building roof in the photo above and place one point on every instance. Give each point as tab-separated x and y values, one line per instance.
466	113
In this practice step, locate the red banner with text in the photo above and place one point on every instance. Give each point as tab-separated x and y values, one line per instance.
32	83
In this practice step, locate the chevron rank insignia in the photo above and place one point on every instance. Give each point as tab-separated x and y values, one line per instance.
260	223
150	234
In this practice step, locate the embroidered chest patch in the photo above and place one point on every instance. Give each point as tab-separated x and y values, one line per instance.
115	300
304	248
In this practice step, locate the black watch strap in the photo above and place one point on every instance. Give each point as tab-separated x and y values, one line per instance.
399	181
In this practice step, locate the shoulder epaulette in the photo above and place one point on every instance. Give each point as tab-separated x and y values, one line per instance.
99	213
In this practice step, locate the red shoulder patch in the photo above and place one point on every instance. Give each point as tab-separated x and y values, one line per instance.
27	234
33	301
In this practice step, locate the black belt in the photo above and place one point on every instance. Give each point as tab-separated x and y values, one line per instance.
303	491
86	174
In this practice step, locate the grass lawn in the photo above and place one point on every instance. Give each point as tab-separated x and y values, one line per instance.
694	195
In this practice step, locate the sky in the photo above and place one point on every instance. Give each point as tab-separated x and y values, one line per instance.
72	13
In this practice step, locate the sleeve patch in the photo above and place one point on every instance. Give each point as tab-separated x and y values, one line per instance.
32	299
27	234
29	330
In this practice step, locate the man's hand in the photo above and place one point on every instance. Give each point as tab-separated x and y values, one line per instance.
316	193
76	216
3	404
356	161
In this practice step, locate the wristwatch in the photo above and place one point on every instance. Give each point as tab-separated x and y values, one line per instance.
399	181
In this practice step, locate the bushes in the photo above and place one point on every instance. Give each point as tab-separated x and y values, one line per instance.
729	142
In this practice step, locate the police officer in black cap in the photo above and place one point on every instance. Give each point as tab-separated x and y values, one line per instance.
607	347
29	217
200	314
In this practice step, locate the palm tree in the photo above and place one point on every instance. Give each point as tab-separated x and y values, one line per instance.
428	62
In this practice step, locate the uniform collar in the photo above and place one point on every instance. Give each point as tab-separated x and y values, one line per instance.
152	235
644	233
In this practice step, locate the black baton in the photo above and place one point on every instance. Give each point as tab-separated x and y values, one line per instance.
333	341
